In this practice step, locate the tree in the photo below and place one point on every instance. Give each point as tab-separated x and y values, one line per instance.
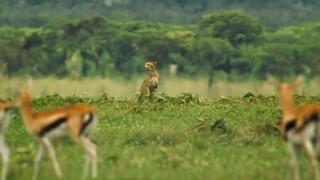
74	65
213	54
235	26
123	52
88	35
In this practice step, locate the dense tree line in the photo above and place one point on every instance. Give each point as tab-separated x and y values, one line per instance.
228	42
272	13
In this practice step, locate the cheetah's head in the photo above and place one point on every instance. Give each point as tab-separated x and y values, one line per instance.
151	65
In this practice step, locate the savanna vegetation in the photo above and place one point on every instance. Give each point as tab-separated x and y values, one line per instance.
228	44
181	137
80	51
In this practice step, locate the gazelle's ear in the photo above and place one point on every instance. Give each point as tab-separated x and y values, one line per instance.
273	80
155	63
299	80
27	87
29	84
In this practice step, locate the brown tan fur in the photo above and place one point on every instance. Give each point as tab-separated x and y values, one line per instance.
7	105
286	100
300	126
150	83
301	114
76	121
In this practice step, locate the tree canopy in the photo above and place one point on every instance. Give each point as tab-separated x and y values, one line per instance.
235	26
228	41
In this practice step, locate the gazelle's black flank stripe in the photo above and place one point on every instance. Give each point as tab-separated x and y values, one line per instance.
86	122
52	126
290	125
8	108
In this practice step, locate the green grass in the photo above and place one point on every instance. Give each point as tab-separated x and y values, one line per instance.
157	138
119	87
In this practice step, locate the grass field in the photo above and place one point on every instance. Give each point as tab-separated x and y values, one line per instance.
121	88
168	137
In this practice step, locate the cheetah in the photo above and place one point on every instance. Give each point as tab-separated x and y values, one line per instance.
150	83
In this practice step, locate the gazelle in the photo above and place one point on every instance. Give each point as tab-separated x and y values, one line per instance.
77	121
5	117
300	126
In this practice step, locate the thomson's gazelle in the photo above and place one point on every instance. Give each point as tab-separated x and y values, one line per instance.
300	127
5	117
77	121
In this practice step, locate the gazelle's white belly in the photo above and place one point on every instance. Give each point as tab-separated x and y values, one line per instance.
310	131
59	131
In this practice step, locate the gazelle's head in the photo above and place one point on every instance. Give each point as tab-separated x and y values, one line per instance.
286	92
24	96
150	66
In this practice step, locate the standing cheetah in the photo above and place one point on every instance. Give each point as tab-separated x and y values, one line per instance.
150	83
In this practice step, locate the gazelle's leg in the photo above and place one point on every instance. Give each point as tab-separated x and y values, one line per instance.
313	157
317	143
87	165
37	161
294	164
91	155
5	157
52	155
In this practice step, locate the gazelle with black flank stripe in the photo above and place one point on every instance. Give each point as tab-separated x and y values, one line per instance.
300	126
5	117
77	121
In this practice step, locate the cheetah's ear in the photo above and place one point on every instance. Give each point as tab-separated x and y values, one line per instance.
155	63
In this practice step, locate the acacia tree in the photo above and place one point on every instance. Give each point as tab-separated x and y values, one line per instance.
213	54
89	36
235	26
